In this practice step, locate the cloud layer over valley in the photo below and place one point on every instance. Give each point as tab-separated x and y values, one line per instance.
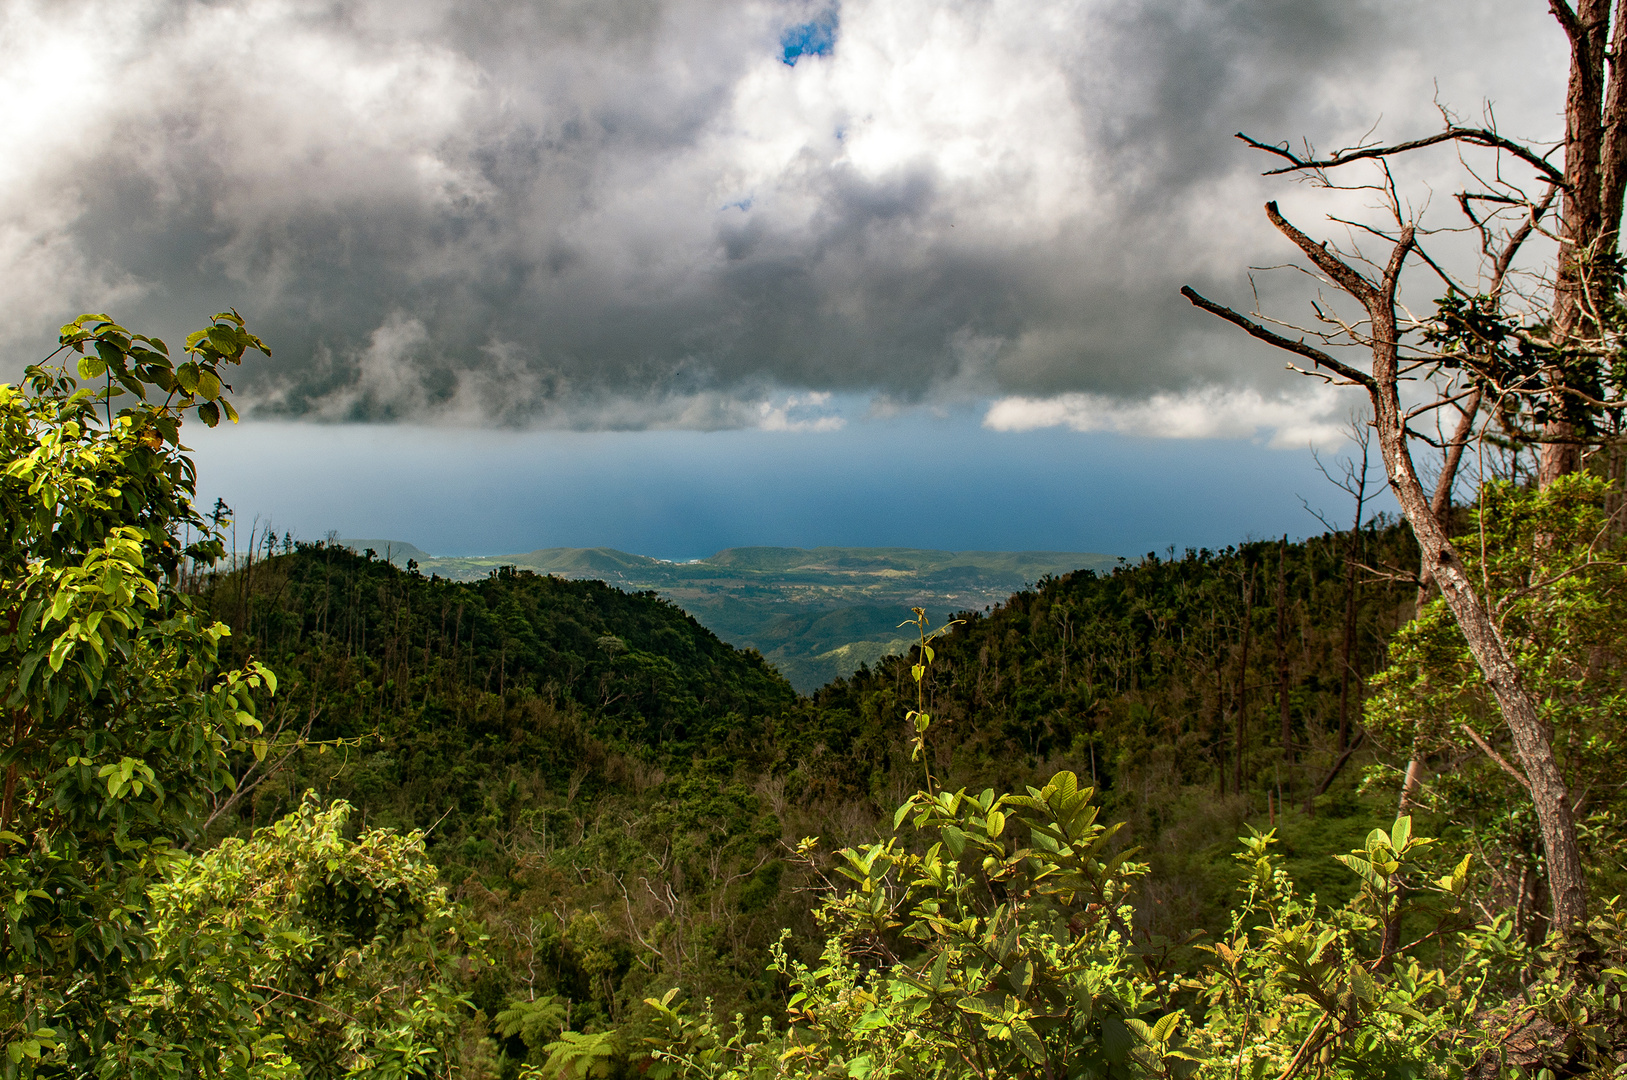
636	214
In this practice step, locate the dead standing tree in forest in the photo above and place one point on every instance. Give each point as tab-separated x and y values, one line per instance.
1546	372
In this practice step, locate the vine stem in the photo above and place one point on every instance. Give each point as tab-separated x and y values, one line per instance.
1305	1048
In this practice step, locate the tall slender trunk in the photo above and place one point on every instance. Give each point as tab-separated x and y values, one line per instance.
1242	682
1284	714
1220	716
1347	649
1440	504
1549	792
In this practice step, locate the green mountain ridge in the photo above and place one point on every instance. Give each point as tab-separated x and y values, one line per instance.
816	614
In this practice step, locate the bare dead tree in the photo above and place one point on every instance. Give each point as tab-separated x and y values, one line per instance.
1382	381
1500	250
1536	359
1393	363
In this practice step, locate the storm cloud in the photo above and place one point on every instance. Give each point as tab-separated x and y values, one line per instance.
623	214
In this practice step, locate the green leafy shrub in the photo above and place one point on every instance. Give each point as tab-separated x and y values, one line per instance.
349	952
295	953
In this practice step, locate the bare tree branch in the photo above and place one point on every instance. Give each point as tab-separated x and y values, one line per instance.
1567	18
1342	273
1474	136
1320	358
1519	237
1492	753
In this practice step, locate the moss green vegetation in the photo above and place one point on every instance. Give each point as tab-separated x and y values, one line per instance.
299	952
816	614
319	815
617	847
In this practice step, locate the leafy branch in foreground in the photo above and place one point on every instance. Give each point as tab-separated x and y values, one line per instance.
119	711
121	954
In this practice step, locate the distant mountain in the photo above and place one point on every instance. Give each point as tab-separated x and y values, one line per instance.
394	551
815	613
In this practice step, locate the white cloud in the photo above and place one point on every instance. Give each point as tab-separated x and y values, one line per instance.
799	412
1313	416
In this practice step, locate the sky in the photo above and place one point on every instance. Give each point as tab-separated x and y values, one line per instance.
677	275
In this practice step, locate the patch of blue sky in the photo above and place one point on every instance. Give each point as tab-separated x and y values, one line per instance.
815	38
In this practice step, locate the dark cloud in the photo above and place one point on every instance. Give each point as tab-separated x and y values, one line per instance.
630	213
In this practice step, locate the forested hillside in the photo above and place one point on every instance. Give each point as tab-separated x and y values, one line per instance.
1194	691
608	783
311	814
622	798
816	614
372	647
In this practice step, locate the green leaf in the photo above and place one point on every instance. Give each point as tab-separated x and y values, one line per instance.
1362	983
225	340
1116	1039
976	1006
109	351
1028	1041
870	1021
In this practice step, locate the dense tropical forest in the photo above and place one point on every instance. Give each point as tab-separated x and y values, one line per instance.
816	615
308	813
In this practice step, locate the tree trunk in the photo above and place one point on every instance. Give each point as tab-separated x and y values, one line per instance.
1615	499
1284	712
1242	682
1347	652
1220	716
1531	737
1441	503
1590	211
